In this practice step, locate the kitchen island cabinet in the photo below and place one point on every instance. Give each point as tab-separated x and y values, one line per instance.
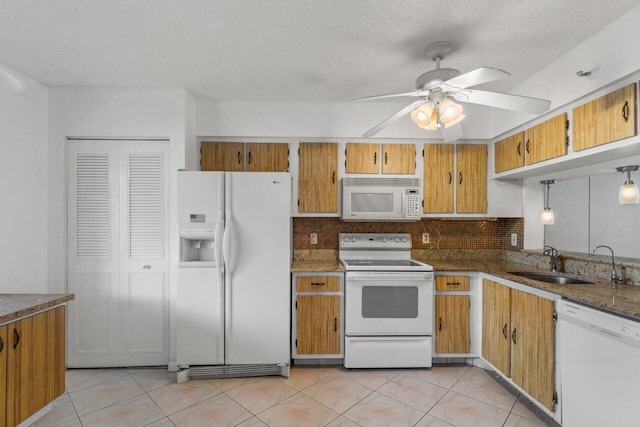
32	354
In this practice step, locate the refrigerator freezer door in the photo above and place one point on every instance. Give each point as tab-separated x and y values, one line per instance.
258	236
200	330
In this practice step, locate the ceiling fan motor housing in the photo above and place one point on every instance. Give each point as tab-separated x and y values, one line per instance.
434	78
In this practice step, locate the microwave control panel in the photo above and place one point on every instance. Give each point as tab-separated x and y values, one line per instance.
412	205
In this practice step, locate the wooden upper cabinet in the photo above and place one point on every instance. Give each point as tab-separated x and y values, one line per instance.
496	325
438	178
318	176
222	156
605	119
533	350
471	177
452	324
362	158
399	158
509	153
547	140
267	157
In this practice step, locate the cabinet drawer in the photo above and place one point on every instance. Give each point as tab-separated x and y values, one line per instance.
318	284
452	283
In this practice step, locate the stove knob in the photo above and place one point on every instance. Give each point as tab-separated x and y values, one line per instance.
384	240
345	239
405	240
354	239
397	239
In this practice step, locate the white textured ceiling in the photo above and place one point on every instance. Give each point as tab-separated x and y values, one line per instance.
287	50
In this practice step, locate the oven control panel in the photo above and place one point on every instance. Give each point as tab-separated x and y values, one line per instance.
375	241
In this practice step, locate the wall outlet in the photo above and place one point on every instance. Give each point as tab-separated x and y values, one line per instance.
425	237
514	239
314	238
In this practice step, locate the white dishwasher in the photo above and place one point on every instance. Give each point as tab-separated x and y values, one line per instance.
600	366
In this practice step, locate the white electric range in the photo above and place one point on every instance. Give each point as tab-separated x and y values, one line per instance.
388	302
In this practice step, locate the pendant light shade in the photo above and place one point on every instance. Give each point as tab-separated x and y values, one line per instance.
421	116
547	216
450	112
446	110
629	192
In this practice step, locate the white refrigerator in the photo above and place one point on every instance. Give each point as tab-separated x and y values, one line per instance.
233	291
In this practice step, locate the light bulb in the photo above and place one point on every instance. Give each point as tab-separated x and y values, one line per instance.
629	193
547	217
448	112
422	116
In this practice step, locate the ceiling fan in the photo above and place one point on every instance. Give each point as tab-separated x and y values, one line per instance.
437	89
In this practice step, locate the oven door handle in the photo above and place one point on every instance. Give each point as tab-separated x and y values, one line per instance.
390	278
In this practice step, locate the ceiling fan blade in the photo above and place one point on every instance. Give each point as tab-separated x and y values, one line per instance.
452	133
504	100
406	110
473	78
395	95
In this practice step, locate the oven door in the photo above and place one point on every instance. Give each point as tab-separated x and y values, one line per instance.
388	303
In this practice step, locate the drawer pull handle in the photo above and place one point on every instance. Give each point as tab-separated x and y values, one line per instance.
317	283
504	331
440	323
16	338
335	324
146	267
513	336
453	283
375	158
1	344
625	111
519	144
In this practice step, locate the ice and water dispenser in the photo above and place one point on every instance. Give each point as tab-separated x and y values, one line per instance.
197	242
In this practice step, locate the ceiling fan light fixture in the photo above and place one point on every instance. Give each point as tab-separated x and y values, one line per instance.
433	121
450	112
421	116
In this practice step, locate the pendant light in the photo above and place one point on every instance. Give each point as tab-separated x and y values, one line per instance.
629	193
547	217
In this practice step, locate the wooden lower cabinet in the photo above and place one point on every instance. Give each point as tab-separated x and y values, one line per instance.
35	363
518	338
4	347
453	332
317	316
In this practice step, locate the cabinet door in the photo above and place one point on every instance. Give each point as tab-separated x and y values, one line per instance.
362	158
509	153
399	158
318	324
267	157
452	283
20	381
496	325
3	374
438	178
471	193
318	191
547	140
222	156
605	119
533	337
452	324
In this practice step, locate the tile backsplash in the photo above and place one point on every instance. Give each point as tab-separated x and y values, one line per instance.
444	234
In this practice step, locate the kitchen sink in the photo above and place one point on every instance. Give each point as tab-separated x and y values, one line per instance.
557	278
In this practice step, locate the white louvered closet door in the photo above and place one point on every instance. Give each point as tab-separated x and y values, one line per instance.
118	253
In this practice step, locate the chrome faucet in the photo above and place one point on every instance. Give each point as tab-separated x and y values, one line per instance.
555	257
614	275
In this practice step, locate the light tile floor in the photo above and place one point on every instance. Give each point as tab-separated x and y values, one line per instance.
445	395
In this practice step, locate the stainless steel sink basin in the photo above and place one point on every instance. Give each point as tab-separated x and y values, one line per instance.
557	278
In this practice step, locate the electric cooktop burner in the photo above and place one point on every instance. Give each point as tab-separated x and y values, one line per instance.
382	262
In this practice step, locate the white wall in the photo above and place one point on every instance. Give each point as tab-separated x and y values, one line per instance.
23	187
321	120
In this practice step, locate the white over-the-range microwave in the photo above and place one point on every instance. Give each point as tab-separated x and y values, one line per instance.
381	199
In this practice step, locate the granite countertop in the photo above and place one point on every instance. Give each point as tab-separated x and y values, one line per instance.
623	300
15	306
